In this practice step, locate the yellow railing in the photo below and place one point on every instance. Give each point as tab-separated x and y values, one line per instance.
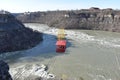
61	34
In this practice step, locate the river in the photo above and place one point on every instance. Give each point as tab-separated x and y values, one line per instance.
90	55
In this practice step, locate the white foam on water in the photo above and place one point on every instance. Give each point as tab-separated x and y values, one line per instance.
83	37
98	77
27	70
107	43
78	36
43	28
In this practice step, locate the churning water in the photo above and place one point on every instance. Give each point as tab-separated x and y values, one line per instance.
90	55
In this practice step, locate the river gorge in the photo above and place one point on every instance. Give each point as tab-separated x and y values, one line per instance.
90	55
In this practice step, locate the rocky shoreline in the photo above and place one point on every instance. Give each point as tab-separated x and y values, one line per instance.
88	19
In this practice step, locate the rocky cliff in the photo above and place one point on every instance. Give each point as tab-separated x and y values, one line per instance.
4	71
90	19
14	35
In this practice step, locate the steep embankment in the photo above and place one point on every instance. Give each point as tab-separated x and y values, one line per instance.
14	36
89	19
4	71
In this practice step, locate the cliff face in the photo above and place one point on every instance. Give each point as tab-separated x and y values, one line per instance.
4	71
14	36
90	19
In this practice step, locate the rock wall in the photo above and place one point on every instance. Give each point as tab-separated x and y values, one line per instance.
4	71
15	36
89	19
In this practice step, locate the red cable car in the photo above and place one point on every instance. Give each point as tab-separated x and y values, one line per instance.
61	42
60	46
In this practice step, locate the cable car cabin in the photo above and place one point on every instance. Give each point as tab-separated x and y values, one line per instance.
60	46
